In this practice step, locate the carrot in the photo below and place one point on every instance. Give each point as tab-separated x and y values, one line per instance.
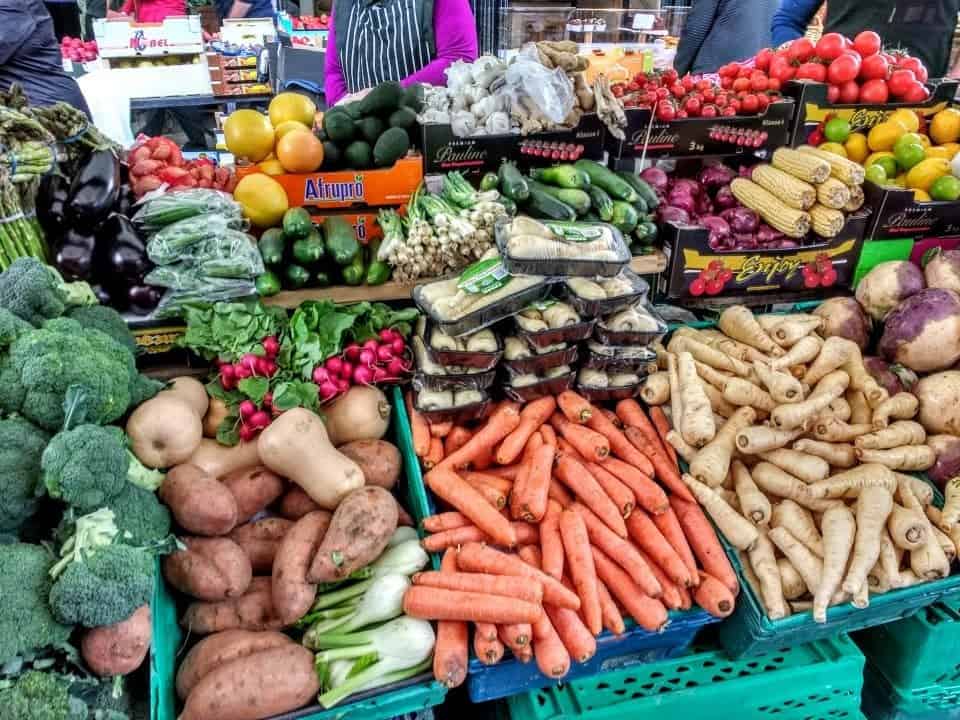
551	544
558	493
483	460
662	425
619	445
549	436
501	423
516	636
704	543
475	478
489	652
531	555
576	547
532	498
435	455
618	491
506	585
565	447
520	483
464	497
450	656
611	416
651	541
648	494
534	415
686	602
576	477
419	429
574	407
491	495
632	415
485	631
441	429
650	614
669	527
612	619
574	634
622	551
445	521
526	533
474	557
508	472
669	590
713	596
524	653
589	443
665	470
430	603
548	649
456	439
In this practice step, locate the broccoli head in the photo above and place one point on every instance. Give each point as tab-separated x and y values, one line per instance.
106	320
140	517
11	327
26	623
86	466
32	291
36	696
20	454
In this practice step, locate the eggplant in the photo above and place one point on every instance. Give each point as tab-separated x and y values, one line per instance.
126	201
103	295
52	202
74	257
121	251
94	190
143	298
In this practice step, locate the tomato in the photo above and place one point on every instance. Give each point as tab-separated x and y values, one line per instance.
735	104
773	84
728	112
688	82
874	66
677	90
913	64
763	101
849	92
763	58
703	85
781	69
812	71
722	101
727	70
726	82
750	104
709	111
830	46
741	83
744	72
669	77
709	95
916	92
867	43
758	81
833	93
874	92
692	106
843	69
801	50
666	111
899	81
662	93
682	115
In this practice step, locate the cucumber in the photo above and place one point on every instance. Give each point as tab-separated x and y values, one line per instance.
646	232
643	189
641	206
625	217
577	199
544	205
591	217
565	176
614	185
512	183
601	202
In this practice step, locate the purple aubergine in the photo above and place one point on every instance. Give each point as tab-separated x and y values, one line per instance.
143	298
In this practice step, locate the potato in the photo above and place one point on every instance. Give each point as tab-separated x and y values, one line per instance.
219	648
260	540
200	504
358	533
164	431
296	503
251	611
118	649
292	594
266	683
209	569
254	489
379	460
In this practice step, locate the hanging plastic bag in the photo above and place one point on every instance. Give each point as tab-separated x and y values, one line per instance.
175	241
551	91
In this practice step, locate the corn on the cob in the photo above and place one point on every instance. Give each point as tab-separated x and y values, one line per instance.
856	199
826	222
793	192
846	171
790	221
833	194
801	165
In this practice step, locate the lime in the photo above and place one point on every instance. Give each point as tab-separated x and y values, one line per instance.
876	174
837	130
907	139
888	163
945	188
909	154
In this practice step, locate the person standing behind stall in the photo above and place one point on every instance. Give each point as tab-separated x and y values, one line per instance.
235	9
409	41
721	31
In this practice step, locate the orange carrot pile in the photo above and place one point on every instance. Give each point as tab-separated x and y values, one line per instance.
562	519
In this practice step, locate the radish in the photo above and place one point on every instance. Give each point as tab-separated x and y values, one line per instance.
343	384
271	346
346	370
220	362
352	352
364	375
380	375
398	346
227	375
259	420
371	345
320	375
251	361
396	367
328	389
334	365
247	409
388	335
267	367
241	372
367	357
384	354
247	433
268	400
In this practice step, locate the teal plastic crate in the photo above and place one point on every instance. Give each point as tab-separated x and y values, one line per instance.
884	700
818	681
409	696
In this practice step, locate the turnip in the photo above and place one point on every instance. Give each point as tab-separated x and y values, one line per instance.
942	269
892	378
887	285
939	396
923	333
844	317
947	449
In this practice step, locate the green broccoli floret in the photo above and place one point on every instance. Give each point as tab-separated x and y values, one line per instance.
98	582
36	696
11	327
106	320
140	517
20	454
86	467
26	623
32	291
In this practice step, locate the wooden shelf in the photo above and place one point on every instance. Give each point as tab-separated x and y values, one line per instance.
651	264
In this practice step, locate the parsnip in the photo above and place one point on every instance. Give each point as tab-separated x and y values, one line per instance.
740	392
737	529
921	492
754	505
790	580
908	578
951	504
712	463
720	406
907	527
839	529
806	563
800	606
901	406
873	507
933	514
684	449
696	425
764	565
739	323
790	331
774	481
797	414
799	522
734	348
749	575
712	376
861	598
840	353
656	389
930	562
889	561
905	457
807	467
838	408
878	579
949	549
759	438
708	355
800	354
831	429
783	388
860	413
841	455
676	400
850	483
902	432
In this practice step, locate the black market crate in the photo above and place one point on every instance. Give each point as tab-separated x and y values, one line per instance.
897	214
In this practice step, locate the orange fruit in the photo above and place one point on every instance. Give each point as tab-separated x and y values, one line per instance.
299	151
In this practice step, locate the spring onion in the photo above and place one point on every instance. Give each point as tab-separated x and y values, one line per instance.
383	600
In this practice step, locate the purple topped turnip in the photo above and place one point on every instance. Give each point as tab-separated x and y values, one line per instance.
942	269
939	396
923	332
892	378
843	317
947	448
887	285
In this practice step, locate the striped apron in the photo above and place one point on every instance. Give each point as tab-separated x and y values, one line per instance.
381	41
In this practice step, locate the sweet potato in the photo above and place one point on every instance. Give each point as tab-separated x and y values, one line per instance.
379	460
295	503
200	504
209	568
254	489
118	649
251	611
220	648
292	593
266	683
358	533
260	540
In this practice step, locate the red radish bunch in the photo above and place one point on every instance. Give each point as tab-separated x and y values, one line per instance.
250	365
77	50
381	360
253	419
156	161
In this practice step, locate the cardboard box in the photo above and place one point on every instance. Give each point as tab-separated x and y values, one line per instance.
897	214
120	38
306	39
479	154
694	137
364	222
248	32
757	272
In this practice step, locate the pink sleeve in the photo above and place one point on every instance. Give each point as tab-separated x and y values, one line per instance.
334	84
455	30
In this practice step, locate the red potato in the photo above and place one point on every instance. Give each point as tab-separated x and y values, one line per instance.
118	649
251	611
295	503
220	648
292	593
260	540
209	568
200	504
379	460
254	489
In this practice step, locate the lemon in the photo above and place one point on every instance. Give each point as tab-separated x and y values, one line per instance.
263	199
939	151
907	118
921	196
883	135
271	167
953	147
945	126
926	172
856	147
288	126
291	106
248	134
835	148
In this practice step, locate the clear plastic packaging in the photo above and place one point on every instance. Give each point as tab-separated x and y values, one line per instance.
550	322
172	207
600	386
615	358
210	290
447	350
538	363
473	410
540	388
171	243
593	297
561	249
638	324
454	381
231	255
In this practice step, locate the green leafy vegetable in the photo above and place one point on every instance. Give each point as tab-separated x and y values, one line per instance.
228	330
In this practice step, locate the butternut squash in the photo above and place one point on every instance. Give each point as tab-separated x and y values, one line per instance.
219	460
164	431
361	413
192	392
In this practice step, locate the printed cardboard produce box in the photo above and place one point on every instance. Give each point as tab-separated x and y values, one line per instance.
695	271
364	222
478	154
896	213
694	137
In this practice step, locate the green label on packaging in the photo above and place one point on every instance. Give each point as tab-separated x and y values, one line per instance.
484	277
541	305
578	233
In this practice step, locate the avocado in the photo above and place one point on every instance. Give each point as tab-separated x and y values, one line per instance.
404	118
296	223
331	155
384	98
391	146
413	97
353	110
371	128
358	155
338	126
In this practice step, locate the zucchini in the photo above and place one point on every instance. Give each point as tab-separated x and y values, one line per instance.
577	199
592	217
625	217
645	233
643	189
641	206
565	176
613	184
544	205
601	202
512	183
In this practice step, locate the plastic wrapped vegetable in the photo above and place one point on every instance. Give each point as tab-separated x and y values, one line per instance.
483	341
590	377
633	319
171	207
531	320
515	349
559	315
168	244
587	289
439	340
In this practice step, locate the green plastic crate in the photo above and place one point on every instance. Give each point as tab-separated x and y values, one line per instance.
378	704
883	700
818	681
881	250
920	650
